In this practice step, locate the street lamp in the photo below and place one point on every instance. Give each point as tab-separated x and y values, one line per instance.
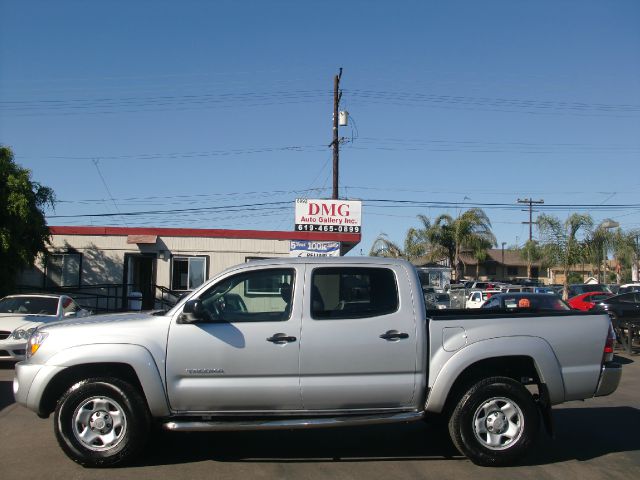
503	244
607	224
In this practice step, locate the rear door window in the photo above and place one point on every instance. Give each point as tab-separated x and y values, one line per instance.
353	292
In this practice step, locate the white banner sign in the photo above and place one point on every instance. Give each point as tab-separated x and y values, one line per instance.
338	216
310	248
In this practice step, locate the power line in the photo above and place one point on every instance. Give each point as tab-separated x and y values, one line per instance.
253	98
202	154
382	203
95	162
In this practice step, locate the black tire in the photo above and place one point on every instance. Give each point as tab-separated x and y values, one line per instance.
106	400
485	402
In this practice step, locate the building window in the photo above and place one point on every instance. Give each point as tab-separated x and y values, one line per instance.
535	272
338	293
490	268
63	269
188	273
512	271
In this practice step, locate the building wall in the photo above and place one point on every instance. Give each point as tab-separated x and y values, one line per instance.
103	256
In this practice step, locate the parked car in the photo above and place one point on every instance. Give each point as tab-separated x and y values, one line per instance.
579	288
586	301
20	315
629	287
621	308
477	285
443	300
476	298
615	288
544	290
535	302
344	343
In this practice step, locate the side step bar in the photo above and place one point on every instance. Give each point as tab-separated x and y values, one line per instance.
289	423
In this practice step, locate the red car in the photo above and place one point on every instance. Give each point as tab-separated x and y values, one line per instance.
586	301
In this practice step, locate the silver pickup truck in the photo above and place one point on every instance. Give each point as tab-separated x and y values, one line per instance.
305	343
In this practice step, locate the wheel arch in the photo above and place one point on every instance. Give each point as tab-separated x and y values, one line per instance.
512	357
78	363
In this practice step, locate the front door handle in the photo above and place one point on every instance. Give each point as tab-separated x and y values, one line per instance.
393	335
281	338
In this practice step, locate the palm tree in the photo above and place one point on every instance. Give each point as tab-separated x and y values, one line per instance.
595	245
626	250
530	252
452	236
384	247
415	243
560	243
479	249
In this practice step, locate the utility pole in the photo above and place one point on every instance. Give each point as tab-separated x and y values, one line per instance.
337	95
530	222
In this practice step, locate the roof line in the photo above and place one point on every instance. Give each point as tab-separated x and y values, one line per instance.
206	233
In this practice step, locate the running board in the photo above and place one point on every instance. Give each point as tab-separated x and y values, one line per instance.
290	423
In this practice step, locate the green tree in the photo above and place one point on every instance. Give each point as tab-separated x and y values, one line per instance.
23	229
531	252
451	236
595	245
415	243
560	243
479	250
626	251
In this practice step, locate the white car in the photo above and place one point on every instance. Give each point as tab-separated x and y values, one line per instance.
20	315
629	287
476	298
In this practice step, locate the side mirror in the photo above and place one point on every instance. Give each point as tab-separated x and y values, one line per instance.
192	311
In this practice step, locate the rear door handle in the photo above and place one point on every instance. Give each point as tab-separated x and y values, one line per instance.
281	338
393	335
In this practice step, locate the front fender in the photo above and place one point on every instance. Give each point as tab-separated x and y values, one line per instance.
537	348
138	357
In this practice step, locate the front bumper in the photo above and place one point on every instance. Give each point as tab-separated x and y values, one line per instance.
12	350
29	383
609	379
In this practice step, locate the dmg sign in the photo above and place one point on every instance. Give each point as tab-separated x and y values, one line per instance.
340	216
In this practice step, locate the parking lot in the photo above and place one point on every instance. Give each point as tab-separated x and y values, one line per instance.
594	439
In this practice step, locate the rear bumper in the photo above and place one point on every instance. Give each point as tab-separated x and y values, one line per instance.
609	379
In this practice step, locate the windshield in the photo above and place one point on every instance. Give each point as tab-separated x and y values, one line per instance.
29	305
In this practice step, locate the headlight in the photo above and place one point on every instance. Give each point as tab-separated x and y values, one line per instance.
21	334
34	343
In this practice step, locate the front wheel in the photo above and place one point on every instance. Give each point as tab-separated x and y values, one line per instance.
495	422
101	422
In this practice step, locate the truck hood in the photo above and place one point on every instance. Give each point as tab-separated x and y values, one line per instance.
100	320
10	322
143	329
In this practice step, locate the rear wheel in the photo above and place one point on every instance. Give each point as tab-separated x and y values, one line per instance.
495	422
101	422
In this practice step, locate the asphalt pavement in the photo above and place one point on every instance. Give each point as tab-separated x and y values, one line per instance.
594	439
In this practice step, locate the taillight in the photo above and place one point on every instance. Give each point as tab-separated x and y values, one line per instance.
607	356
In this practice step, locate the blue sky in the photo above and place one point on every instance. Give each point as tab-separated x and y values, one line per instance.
214	104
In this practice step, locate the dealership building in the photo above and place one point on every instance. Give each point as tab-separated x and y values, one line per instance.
115	268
